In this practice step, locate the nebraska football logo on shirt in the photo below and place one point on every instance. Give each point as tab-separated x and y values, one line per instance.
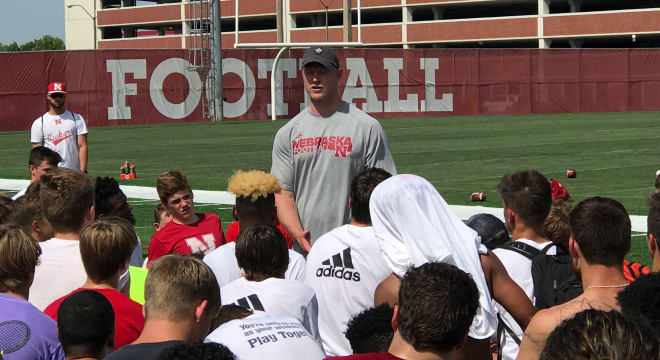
339	266
341	145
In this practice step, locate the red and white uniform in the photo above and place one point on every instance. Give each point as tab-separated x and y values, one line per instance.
203	237
60	134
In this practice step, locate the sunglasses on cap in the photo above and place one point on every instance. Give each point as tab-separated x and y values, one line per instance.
57	95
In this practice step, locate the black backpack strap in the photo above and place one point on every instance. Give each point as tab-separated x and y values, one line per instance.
501	328
43	134
544	251
75	122
500	331
521	248
561	249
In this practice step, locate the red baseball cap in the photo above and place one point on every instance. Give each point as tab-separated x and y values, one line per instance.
559	191
56	87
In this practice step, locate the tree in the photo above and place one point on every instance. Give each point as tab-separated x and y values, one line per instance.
28	46
46	42
13	47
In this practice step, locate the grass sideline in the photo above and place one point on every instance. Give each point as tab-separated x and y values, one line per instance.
615	155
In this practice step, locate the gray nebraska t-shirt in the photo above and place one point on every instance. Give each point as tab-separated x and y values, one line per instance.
317	156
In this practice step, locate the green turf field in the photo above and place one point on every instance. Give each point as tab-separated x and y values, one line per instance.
615	155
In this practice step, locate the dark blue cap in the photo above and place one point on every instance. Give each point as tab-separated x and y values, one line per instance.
322	55
492	230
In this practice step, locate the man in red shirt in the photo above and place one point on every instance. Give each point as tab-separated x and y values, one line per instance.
188	232
437	303
106	246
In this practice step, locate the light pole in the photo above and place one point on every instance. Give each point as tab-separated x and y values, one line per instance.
90	15
326	17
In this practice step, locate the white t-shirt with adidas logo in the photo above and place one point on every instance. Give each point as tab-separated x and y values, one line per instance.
225	267
260	337
344	268
275	297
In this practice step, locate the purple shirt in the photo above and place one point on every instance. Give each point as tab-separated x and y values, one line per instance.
43	342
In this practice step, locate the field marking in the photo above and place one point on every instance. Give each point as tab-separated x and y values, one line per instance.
500	146
141	192
225	198
499	160
449	181
143	201
220	208
649	188
617	196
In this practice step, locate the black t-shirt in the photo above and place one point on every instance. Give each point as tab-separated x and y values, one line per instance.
145	351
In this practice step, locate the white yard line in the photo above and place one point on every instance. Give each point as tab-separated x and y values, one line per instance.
464	212
143	201
141	192
225	198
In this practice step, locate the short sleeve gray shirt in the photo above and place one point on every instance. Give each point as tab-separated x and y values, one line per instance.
316	157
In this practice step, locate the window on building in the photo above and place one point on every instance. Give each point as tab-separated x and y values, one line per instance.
563	6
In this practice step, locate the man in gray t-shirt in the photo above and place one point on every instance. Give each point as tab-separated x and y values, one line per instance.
317	153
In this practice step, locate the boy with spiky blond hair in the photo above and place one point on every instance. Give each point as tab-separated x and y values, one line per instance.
253	189
255	205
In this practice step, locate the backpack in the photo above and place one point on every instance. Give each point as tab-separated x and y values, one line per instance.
553	278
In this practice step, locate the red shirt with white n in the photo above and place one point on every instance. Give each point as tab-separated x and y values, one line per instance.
203	236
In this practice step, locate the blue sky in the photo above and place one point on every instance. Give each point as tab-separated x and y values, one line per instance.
25	20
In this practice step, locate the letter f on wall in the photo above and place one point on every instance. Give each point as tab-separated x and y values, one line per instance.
118	69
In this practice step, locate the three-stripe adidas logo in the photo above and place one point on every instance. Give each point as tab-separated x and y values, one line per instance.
250	302
338	267
337	261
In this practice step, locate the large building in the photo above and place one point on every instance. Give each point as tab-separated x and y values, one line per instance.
385	23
